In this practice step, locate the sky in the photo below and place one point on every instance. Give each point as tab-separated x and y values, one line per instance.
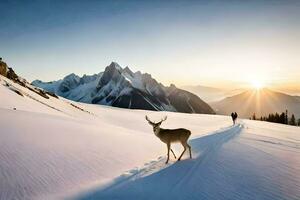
216	43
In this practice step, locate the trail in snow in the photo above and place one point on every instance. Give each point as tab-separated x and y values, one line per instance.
227	164
167	179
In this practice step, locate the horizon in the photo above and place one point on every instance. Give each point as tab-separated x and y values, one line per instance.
230	44
241	88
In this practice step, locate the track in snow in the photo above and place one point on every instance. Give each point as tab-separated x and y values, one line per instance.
169	179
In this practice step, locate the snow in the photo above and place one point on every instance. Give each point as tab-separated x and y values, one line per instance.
112	153
228	164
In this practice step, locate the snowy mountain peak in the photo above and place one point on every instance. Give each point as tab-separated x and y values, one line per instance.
69	82
88	78
139	73
111	73
123	88
128	71
115	65
71	76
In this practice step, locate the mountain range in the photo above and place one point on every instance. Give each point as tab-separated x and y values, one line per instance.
120	87
123	88
261	102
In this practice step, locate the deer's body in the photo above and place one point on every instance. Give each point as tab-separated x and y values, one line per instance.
169	136
173	135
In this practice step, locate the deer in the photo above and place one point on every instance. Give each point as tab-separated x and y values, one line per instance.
169	136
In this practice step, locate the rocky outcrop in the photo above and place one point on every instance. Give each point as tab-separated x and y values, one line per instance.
3	68
10	74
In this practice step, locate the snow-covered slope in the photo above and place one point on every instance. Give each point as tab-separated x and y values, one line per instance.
246	161
55	148
123	88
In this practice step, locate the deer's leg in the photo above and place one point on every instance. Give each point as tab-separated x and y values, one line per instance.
168	146
173	153
184	146
190	150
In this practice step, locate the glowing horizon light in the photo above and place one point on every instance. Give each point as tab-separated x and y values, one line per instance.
257	84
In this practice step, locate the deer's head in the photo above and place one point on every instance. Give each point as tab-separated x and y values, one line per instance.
155	125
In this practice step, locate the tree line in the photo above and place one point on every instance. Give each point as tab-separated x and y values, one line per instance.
282	118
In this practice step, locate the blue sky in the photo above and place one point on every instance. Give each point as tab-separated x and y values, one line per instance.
181	42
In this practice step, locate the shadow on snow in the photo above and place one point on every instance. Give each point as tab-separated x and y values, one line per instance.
167	181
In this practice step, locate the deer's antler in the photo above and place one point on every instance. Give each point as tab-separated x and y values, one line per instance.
148	119
163	119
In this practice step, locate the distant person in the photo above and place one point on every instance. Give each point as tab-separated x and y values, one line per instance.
234	116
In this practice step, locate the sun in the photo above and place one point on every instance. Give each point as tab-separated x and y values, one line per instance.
257	84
